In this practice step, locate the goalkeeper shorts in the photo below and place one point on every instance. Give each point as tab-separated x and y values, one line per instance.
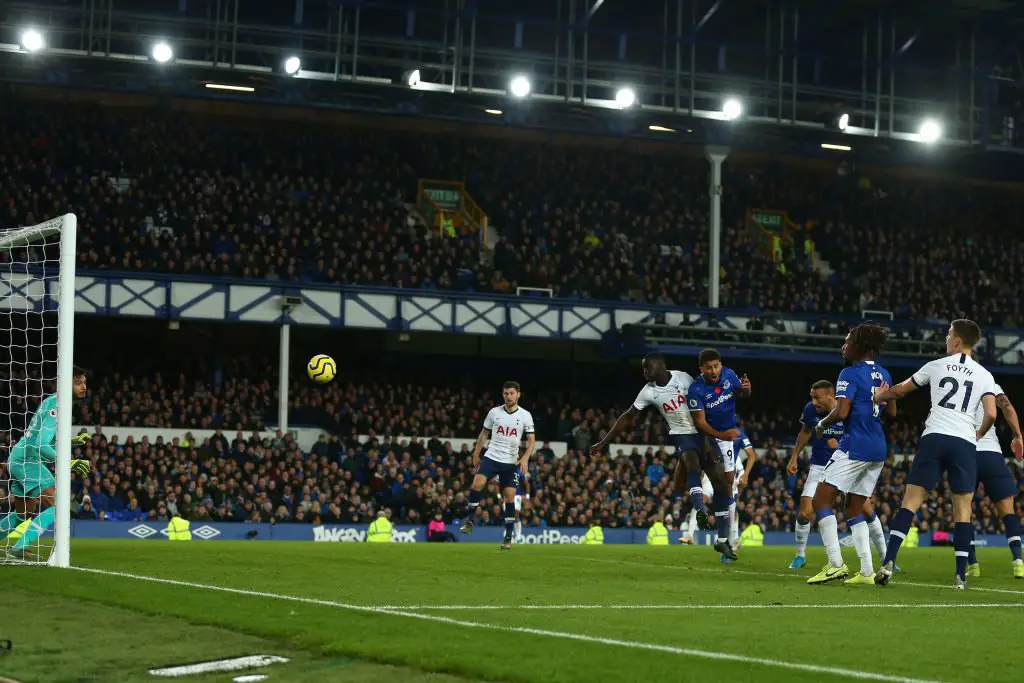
29	479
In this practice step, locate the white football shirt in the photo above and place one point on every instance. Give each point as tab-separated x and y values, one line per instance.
507	432
989	442
957	384
670	400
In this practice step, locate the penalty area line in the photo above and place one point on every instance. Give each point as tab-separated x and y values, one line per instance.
560	635
875	605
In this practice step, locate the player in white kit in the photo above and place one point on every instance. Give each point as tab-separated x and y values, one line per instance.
666	391
958	385
505	426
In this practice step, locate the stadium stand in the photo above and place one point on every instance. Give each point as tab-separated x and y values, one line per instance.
207	197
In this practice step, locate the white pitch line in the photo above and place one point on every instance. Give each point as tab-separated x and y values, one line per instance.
724	572
561	635
467	608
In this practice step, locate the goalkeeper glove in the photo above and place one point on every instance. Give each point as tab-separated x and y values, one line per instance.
82	467
81	439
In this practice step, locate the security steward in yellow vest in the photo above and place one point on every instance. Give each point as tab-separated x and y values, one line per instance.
177	529
595	535
380	529
658	533
752	536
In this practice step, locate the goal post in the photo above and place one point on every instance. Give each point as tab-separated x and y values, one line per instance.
37	279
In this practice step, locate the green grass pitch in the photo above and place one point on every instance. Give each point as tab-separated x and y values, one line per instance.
439	613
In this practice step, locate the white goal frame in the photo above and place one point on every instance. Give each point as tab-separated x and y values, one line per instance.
67	226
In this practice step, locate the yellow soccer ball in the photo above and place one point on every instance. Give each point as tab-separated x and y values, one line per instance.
322	368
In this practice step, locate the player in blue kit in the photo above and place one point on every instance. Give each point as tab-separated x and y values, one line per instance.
854	468
961	391
712	401
823	401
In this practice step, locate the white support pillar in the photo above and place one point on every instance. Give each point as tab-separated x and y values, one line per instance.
282	377
716	154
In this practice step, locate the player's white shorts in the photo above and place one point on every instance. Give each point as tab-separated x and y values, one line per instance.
813	479
728	454
852	476
519	502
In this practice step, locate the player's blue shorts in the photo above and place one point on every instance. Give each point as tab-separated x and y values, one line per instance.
938	453
29	479
996	476
507	473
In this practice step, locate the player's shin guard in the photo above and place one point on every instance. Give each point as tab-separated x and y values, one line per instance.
510	520
898	529
862	543
696	492
474	504
828	527
877	534
803	532
963	534
721	504
11	521
39	525
1013	533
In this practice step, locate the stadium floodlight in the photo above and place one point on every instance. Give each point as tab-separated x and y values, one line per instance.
162	53
930	131
843	121
494	112
32	40
292	65
732	109
519	86
412	78
655	128
625	98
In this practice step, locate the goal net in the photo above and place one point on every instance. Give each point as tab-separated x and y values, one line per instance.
37	316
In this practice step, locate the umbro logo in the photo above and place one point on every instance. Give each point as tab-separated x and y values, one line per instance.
142	531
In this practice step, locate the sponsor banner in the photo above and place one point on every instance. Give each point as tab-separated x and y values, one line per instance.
356	533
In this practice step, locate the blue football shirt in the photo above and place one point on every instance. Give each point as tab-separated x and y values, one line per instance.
820	452
718	400
864	438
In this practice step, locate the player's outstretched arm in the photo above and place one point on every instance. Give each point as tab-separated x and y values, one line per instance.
838	414
887	393
745	388
1010	415
620	422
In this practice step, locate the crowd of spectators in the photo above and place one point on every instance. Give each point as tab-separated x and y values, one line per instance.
177	194
367	460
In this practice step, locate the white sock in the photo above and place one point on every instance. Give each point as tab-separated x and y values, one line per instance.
519	528
862	544
828	527
878	537
734	527
803	531
691	522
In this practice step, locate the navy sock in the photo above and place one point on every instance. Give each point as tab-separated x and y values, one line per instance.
696	492
898	528
972	553
474	504
510	520
1013	532
963	534
721	504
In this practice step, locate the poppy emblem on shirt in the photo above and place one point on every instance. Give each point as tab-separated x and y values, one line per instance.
718	390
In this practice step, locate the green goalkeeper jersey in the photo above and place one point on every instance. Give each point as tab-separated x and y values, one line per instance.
37	443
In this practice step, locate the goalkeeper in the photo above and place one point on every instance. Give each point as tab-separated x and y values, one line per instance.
32	483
